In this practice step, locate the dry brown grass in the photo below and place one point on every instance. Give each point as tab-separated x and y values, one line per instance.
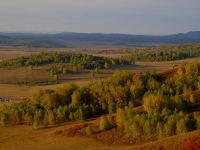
22	75
25	137
10	54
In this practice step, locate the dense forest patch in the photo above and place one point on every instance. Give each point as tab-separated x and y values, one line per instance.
77	60
165	53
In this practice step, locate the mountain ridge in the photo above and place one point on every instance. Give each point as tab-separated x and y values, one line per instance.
86	40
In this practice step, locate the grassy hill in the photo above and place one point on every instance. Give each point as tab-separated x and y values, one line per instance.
89	40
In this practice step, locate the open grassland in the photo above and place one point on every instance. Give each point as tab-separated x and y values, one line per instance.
5	54
20	75
20	91
25	137
23	75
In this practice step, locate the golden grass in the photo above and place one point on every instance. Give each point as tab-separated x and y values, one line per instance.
23	74
25	137
10	54
19	91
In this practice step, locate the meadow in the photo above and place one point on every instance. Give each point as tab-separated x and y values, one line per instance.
62	105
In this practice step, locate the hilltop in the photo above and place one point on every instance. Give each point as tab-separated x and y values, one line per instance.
91	40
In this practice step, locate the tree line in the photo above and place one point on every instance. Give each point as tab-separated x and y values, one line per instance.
165	53
83	61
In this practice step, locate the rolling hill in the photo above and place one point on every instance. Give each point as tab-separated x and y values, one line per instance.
92	40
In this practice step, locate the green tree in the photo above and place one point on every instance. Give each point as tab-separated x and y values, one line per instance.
2	119
106	66
64	71
89	130
159	130
153	103
51	118
181	126
104	124
147	129
120	118
170	127
46	119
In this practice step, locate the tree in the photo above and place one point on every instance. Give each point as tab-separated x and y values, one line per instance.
111	107
46	119
192	99
56	78
104	123
97	70
89	130
51	118
37	118
51	100
170	127
71	116
76	98
197	117
181	126
64	71
181	103
134	131
153	103
106	66
147	129
120	117
92	74
78	115
159	130
2	119
152	84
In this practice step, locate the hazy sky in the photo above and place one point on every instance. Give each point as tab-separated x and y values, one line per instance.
118	16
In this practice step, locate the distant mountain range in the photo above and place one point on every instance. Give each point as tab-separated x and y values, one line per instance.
92	40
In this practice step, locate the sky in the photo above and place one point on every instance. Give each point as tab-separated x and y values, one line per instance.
155	17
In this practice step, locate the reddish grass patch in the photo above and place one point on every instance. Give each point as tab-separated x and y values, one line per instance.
191	144
73	131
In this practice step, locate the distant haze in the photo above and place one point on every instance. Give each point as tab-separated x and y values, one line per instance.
107	16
